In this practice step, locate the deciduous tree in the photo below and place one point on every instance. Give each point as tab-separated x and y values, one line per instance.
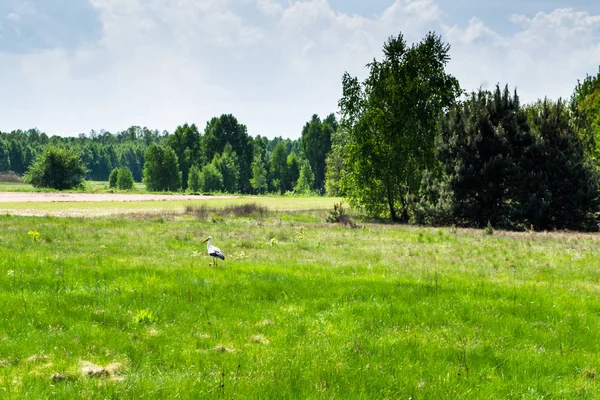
390	121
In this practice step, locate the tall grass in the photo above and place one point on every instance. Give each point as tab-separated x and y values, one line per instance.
129	308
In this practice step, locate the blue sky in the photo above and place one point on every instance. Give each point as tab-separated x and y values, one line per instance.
70	66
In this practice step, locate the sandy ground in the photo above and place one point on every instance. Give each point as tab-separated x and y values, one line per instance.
25	197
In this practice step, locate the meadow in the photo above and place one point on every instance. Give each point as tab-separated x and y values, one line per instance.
126	306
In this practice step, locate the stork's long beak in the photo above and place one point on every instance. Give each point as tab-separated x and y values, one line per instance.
205	241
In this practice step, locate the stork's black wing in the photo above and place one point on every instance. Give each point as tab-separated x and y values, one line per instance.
217	253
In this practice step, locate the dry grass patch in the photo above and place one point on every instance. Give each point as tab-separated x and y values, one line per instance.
93	370
260	339
223	349
37	358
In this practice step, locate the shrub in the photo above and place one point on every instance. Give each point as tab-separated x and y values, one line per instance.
56	168
124	179
339	216
112	178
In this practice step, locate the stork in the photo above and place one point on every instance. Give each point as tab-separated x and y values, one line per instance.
213	251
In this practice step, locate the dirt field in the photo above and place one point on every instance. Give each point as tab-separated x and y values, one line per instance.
25	197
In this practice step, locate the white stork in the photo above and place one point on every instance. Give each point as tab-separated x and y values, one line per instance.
213	251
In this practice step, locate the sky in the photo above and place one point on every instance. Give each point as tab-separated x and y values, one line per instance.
71	66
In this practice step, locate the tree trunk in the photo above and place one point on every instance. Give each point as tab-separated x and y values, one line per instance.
391	205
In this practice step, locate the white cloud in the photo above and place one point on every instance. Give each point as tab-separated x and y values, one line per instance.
13	17
270	8
161	65
544	57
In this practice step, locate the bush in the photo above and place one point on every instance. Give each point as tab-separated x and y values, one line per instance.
124	179
56	168
112	178
339	216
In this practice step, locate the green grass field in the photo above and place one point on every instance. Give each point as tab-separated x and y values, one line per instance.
128	307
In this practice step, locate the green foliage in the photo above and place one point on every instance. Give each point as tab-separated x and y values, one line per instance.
4	157
279	168
112	178
56	168
35	236
585	106
17	156
194	181
124	179
503	171
259	175
389	123
338	215
489	229
306	180
211	178
334	170
185	141
228	165
293	171
227	130
132	158
316	143
144	317
161	169
433	205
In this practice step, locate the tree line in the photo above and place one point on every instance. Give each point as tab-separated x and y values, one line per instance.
222	158
410	145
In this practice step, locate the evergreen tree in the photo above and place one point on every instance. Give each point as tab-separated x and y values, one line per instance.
483	143
306	180
559	187
505	171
